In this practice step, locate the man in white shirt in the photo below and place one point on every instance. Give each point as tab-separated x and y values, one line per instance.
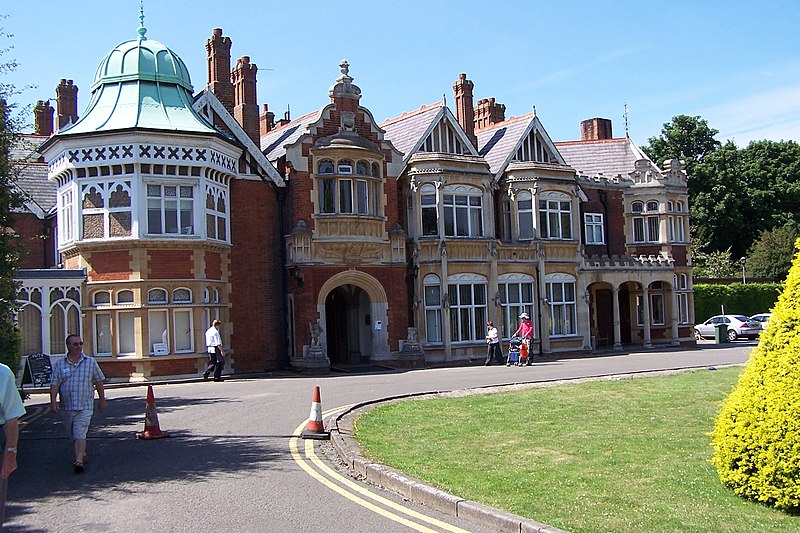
216	356
11	409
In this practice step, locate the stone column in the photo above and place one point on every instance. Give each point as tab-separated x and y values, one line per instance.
615	311
646	317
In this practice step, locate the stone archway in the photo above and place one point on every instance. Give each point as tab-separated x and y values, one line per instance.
363	300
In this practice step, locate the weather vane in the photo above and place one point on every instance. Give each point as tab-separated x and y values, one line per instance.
142	30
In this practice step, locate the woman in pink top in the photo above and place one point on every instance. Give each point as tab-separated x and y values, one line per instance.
525	331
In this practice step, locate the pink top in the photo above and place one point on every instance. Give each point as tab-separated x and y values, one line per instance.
525	329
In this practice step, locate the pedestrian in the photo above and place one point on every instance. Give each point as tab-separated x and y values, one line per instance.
494	352
11	409
216	356
74	379
525	332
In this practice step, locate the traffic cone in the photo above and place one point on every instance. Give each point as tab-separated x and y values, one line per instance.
315	429
151	428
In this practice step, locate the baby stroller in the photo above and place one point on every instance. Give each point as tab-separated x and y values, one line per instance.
513	351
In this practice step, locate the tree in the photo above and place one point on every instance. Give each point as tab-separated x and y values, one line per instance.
9	200
756	438
687	138
714	264
771	255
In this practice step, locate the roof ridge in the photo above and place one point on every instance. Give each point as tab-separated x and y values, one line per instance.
409	114
591	141
506	122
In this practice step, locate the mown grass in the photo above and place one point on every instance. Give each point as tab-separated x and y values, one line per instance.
627	455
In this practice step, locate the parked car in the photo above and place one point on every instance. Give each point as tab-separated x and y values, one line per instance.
762	319
738	326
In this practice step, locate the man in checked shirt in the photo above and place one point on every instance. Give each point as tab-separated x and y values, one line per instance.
75	377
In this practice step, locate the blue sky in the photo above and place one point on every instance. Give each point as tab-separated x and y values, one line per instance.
736	64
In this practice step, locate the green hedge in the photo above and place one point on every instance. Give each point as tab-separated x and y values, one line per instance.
738	298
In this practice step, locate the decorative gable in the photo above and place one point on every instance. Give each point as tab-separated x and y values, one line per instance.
445	138
534	148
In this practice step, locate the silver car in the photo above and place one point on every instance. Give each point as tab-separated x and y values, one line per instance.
762	319
738	326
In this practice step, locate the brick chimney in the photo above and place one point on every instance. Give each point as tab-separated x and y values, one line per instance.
465	114
218	49
43	118
267	119
596	129
487	112
245	108
66	103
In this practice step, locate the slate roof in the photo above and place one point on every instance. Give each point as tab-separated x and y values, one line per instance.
274	143
406	130
610	157
32	178
497	142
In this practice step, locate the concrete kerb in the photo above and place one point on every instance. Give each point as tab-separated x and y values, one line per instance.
350	453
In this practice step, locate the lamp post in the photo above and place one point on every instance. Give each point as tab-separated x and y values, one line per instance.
744	269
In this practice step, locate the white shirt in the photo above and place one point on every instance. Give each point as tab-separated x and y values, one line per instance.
494	338
213	339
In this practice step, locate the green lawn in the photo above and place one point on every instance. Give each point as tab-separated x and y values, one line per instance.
625	455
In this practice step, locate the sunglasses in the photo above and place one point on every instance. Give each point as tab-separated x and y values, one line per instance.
77	343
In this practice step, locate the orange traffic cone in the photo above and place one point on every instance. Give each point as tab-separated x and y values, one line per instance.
151	428
315	429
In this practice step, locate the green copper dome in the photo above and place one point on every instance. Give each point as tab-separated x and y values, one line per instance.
142	59
140	84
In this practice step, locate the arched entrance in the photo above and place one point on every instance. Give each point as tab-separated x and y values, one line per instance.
348	320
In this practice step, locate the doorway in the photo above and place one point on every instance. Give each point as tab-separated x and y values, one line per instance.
348	332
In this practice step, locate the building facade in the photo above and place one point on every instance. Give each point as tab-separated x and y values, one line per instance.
333	239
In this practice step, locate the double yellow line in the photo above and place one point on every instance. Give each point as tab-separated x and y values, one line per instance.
357	493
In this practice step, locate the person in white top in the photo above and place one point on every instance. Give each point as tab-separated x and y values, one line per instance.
216	355
493	340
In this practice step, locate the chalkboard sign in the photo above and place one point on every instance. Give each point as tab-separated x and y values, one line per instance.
38	370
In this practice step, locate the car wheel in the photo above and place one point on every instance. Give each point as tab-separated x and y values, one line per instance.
732	336
697	336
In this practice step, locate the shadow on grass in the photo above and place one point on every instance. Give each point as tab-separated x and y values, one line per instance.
120	462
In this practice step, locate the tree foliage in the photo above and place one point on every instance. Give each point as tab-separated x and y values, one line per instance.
715	264
687	138
9	200
771	255
756	438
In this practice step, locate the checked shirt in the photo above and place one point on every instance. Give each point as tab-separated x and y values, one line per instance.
76	382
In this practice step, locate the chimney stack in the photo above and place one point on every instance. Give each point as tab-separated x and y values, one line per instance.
66	103
267	120
43	118
596	129
218	49
462	88
488	112
245	108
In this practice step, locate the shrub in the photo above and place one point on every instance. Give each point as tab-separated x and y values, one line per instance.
756	438
738	298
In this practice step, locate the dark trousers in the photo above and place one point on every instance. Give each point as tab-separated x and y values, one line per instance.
494	352
215	363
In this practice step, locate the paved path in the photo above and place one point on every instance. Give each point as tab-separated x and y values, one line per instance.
232	464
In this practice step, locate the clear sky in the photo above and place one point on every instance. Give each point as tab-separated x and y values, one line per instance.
735	63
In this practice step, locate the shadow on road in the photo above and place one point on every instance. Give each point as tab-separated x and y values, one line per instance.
121	463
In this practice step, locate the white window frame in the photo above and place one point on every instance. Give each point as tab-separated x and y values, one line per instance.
562	316
189	336
525	216
107	329
513	301
555	216
471	209
182	204
432	303
66	215
216	218
594	229
124	334
161	336
428	205
471	315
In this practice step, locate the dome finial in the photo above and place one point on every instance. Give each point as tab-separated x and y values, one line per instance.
142	30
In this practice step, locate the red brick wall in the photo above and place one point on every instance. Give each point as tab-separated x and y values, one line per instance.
614	218
393	280
213	265
107	266
679	254
116	370
34	240
170	264
257	295
170	367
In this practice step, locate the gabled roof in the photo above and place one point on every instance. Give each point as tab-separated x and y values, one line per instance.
406	131
274	143
31	179
208	98
609	157
498	144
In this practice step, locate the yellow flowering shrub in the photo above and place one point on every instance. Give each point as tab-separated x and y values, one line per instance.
756	438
